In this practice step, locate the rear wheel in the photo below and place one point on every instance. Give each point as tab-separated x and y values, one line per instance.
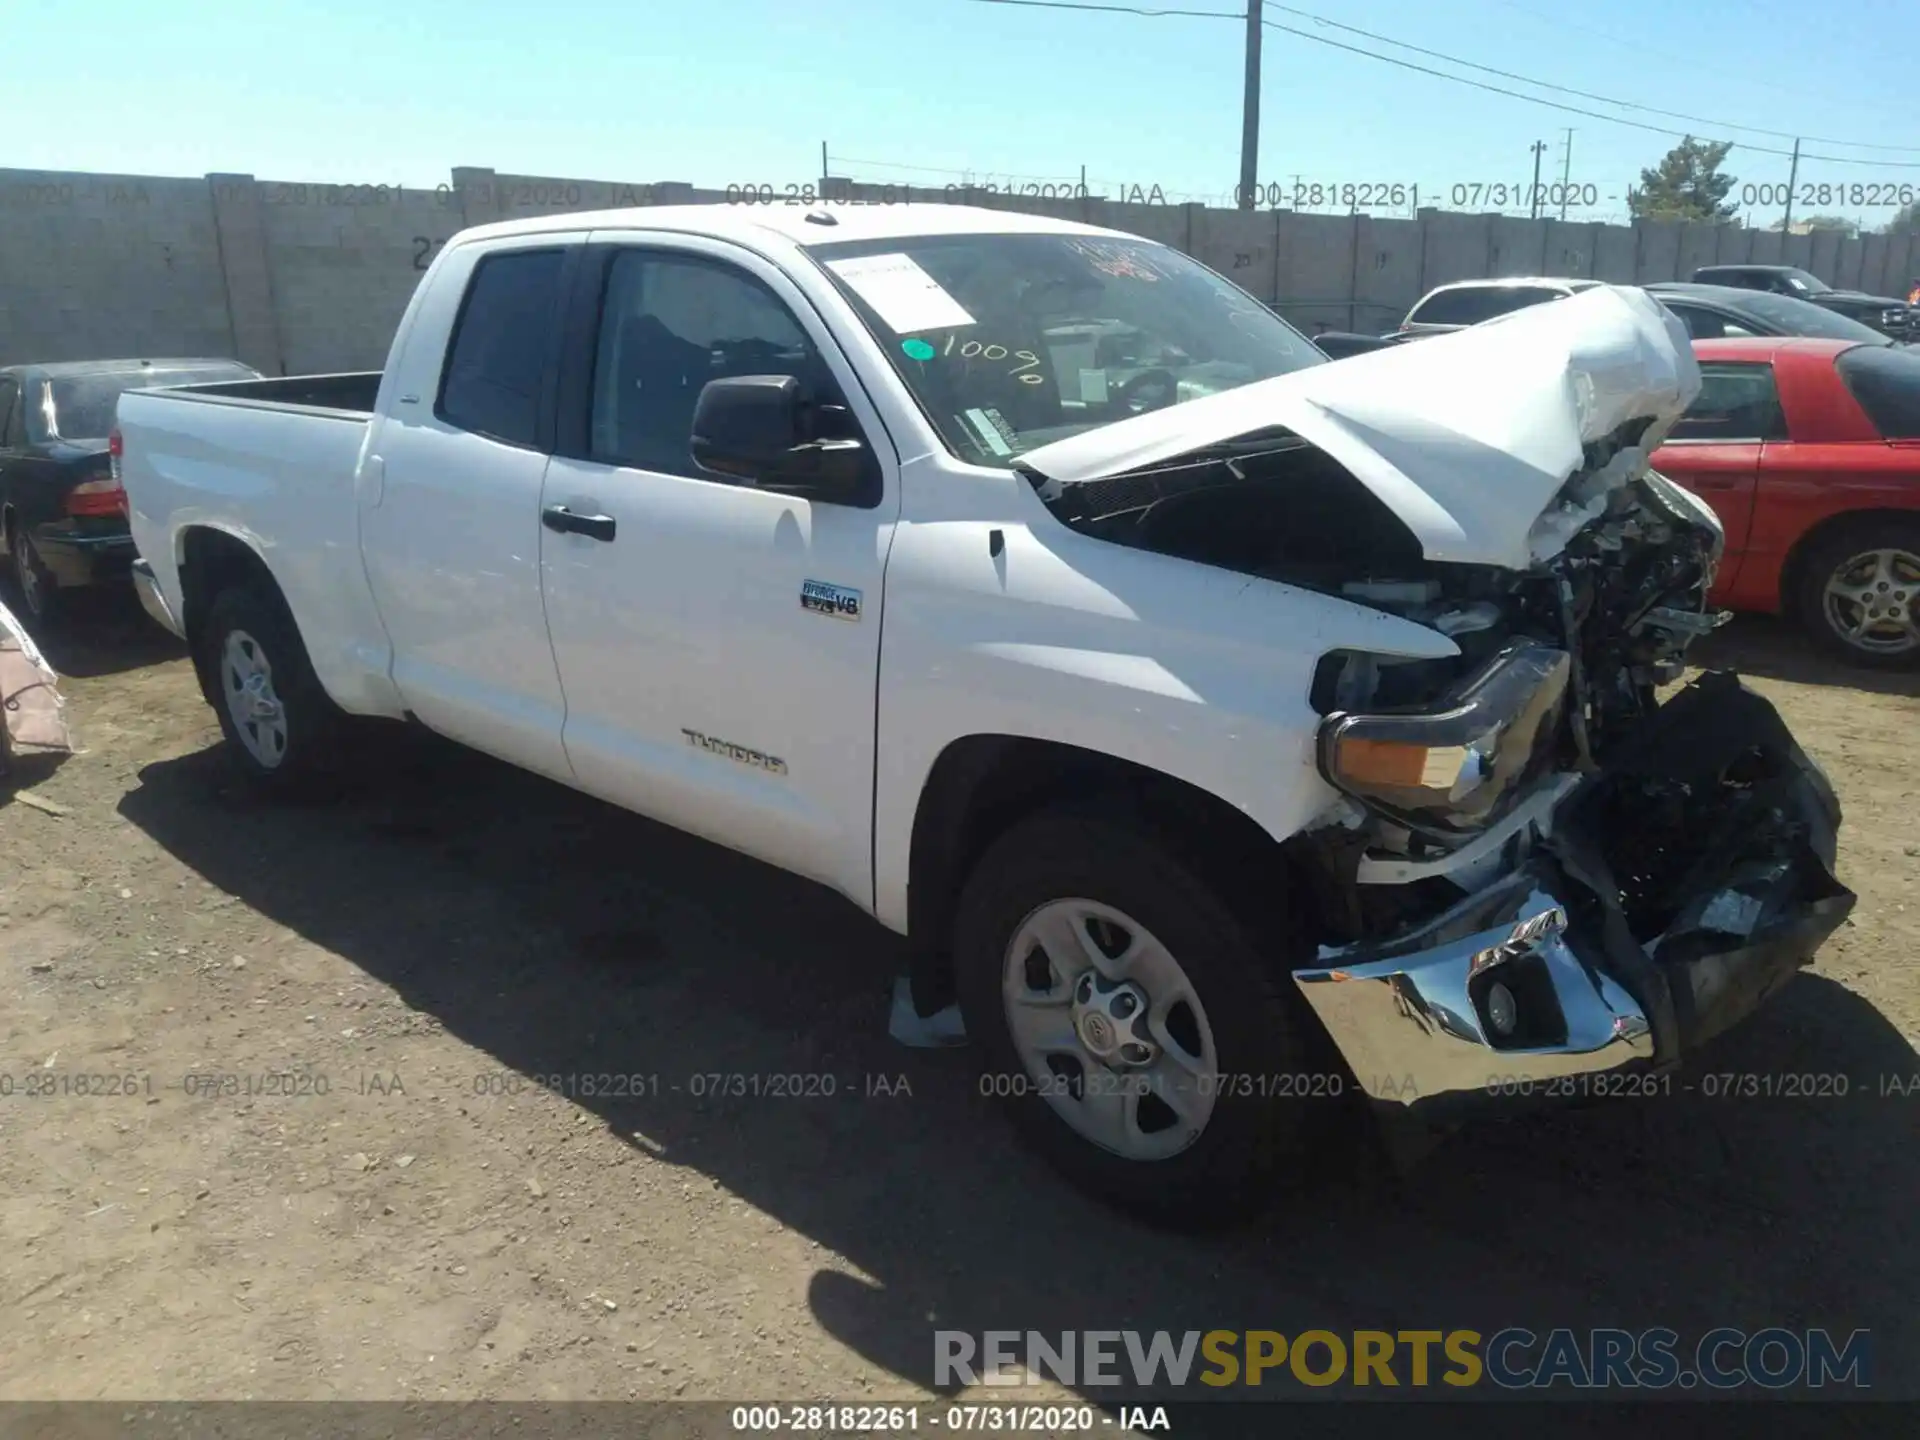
39	595
1139	1037
1860	593
283	731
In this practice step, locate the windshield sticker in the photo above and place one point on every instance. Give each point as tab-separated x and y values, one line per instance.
993	431
904	296
918	349
1120	260
1093	387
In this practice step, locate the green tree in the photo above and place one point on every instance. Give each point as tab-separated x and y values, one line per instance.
1686	184
1905	221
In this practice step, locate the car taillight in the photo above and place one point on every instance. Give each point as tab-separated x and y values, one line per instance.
114	450
97	497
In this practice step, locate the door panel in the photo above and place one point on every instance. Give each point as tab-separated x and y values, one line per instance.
1726	477
700	689
1714	451
452	535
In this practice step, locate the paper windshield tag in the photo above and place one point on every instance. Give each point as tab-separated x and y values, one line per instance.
988	425
1093	387
901	293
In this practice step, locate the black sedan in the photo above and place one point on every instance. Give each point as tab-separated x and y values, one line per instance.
63	515
1718	312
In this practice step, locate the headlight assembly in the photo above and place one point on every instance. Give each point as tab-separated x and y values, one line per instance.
1449	768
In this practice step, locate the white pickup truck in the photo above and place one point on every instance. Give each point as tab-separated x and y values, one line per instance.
1230	731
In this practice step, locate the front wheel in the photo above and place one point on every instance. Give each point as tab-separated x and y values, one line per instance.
283	731
1860	594
1139	1037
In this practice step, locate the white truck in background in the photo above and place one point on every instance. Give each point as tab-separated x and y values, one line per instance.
1232	733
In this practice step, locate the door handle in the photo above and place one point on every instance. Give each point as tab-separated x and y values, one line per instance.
594	527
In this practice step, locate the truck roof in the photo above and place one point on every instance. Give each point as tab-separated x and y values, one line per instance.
800	224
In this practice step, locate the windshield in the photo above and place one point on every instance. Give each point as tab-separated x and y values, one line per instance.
1807	284
80	407
1010	342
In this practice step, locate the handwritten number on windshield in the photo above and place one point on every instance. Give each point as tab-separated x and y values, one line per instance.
974	349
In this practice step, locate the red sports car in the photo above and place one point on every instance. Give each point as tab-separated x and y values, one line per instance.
1809	452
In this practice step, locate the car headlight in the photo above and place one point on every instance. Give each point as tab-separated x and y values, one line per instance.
1449	768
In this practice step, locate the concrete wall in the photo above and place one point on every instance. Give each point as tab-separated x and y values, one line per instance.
293	278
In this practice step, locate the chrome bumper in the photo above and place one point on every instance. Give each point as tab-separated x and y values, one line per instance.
147	587
1576	962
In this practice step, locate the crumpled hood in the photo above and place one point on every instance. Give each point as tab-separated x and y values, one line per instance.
1469	438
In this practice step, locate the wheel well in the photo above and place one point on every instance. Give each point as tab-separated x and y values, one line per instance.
212	561
983	784
1793	571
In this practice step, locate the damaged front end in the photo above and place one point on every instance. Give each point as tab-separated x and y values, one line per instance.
1537	874
1542	879
1655	902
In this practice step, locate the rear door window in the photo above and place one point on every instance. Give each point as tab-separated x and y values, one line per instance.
1885	379
501	345
1475	303
1737	404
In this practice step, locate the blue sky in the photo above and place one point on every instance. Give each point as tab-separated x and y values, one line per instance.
737	91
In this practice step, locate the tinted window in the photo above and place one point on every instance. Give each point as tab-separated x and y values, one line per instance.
1736	403
1788	316
9	413
670	324
500	346
1885	379
1011	342
1471	305
83	405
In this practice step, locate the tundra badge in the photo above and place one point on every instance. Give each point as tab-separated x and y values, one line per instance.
835	600
772	764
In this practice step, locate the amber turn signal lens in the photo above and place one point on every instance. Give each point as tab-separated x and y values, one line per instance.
1397	764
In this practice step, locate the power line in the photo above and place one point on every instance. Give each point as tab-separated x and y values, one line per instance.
1494	89
1588	94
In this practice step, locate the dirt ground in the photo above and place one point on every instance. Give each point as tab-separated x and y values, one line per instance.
438	1225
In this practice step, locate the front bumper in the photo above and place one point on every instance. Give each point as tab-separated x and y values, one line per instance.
1661	901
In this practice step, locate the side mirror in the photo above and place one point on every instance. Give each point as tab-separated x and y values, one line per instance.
760	429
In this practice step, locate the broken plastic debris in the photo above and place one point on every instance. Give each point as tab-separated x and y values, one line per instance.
923	1032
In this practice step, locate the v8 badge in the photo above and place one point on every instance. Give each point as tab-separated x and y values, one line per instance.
835	600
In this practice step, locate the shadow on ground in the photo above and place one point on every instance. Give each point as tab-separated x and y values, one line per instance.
1776	649
102	631
561	935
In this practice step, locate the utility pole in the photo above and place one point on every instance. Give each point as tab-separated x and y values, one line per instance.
1539	148
1250	114
824	171
1566	175
1793	178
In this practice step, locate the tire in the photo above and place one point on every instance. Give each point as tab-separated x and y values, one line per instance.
35	586
1846	575
284	735
1264	1112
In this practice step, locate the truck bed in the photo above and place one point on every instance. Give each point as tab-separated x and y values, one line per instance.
270	462
349	393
